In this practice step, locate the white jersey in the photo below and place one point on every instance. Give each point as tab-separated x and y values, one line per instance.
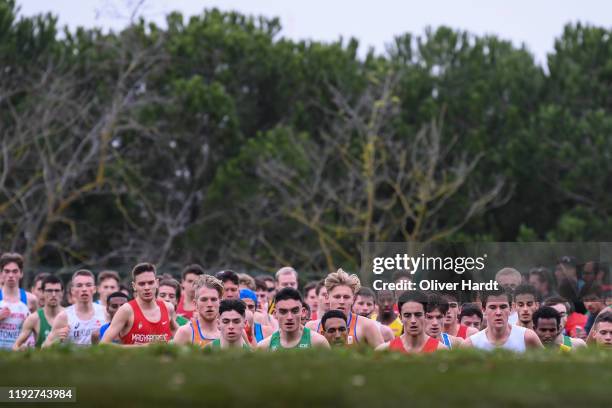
11	326
515	341
80	330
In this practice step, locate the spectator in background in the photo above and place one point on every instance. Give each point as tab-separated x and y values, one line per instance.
596	273
541	279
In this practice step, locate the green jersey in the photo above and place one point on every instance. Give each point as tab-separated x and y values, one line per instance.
44	330
305	342
181	321
216	344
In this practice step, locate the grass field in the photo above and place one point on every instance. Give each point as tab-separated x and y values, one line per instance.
164	376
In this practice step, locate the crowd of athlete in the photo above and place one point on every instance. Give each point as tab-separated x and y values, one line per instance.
230	310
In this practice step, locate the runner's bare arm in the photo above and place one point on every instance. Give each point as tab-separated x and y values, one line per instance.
59	330
118	324
32	302
371	333
386	332
29	326
183	335
265	343
467	343
313	324
318	340
578	342
383	346
95	336
172	313
470	331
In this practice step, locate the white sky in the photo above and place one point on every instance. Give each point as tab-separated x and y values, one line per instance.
374	23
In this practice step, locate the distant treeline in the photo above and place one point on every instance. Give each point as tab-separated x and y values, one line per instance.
215	140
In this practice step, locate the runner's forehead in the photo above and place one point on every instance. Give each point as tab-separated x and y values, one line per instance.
497	300
82	279
288	304
335	322
559	307
548	323
207	292
341	290
145	277
230	314
412	307
524	297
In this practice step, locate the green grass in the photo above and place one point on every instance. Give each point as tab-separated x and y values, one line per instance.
163	376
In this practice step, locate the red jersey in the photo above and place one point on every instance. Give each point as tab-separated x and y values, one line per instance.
462	332
180	309
430	345
144	331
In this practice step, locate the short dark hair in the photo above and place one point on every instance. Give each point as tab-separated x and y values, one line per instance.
558	300
306	305
287	294
412	296
470	310
331	314
364	291
9	257
52	279
604	316
543	274
436	301
173	283
320	285
194	269
260	284
116	294
232	304
41	276
104	275
310	286
83	272
484	296
526	289
228	276
546	312
595	292
142	268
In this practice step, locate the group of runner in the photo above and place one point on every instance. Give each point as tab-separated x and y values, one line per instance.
230	310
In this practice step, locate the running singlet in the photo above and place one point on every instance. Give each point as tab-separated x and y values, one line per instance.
430	345
144	331
80	330
305	342
181	321
196	334
44	328
462	332
180	310
515	341
11	326
216	344
567	344
351	327
395	325
22	296
445	339
258	332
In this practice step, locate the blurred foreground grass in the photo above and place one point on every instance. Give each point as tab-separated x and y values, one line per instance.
166	376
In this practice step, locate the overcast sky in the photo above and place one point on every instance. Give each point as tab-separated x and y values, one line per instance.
374	23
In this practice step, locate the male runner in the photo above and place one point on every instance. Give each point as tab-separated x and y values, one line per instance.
40	323
291	334
365	302
322	299
169	290
594	302
143	320
231	326
261	290
335	328
509	279
602	330
526	302
562	307
108	282
36	288
541	279
113	302
412	306
452	326
11	270
203	326
286	277
471	316
386	304
436	311
310	297
76	323
15	303
186	304
341	288
500	333
230	284
547	325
